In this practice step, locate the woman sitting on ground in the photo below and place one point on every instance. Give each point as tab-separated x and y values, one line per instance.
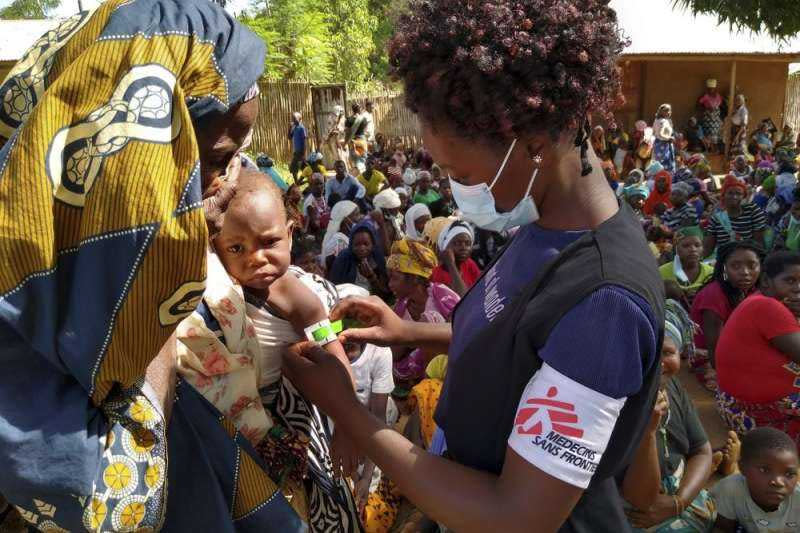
736	219
686	269
363	263
416	218
735	276
758	354
418	299
344	215
665	481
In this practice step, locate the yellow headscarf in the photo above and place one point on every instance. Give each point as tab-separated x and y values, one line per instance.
433	228
412	257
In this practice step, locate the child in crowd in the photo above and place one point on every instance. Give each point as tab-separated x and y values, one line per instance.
306	255
231	350
764	497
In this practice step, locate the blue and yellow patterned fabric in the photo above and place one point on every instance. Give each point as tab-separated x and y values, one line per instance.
102	253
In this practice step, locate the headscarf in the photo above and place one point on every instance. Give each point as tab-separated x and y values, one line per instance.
412	257
410	176
656	197
341	210
732	182
635	176
345	266
433	228
688	231
682	174
101	121
437	368
770	183
678	326
684	188
653	169
450	232
403	190
414	212
637	189
386	199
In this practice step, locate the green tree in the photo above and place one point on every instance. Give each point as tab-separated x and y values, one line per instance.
779	18
316	40
297	36
28	9
352	27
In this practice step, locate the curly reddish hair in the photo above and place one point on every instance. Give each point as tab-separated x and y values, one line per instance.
497	69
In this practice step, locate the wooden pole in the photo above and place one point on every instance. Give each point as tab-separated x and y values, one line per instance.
731	103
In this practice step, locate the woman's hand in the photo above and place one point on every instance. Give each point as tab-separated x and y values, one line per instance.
660	409
662	509
344	456
381	325
321	378
448	257
366	270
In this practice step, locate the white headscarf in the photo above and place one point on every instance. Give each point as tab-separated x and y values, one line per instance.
386	199
449	233
410	176
414	212
334	239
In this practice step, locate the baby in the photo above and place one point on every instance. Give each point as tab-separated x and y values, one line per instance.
764	497
254	306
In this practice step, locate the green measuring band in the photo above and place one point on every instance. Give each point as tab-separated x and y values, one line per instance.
323	333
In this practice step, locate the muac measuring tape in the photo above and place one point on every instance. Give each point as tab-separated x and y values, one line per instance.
326	331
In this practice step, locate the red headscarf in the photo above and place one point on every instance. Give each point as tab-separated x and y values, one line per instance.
656	197
732	182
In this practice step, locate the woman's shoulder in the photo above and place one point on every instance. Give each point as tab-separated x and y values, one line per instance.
708	296
667	271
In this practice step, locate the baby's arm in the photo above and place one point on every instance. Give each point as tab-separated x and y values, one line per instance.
302	308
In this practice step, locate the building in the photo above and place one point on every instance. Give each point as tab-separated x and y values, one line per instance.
673	53
16	36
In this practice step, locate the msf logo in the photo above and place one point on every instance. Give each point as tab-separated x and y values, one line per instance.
547	413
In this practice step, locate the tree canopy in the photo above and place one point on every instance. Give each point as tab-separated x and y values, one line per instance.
28	9
779	18
317	40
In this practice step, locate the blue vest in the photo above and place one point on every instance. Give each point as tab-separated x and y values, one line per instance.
485	383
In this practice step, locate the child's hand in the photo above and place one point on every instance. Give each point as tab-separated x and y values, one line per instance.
344	456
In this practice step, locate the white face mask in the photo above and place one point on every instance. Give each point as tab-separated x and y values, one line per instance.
477	203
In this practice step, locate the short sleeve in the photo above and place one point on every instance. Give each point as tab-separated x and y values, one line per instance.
618	342
382	380
695	432
772	318
711	299
726	493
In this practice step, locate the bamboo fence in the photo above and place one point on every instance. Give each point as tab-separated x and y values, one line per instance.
392	118
791	114
279	99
